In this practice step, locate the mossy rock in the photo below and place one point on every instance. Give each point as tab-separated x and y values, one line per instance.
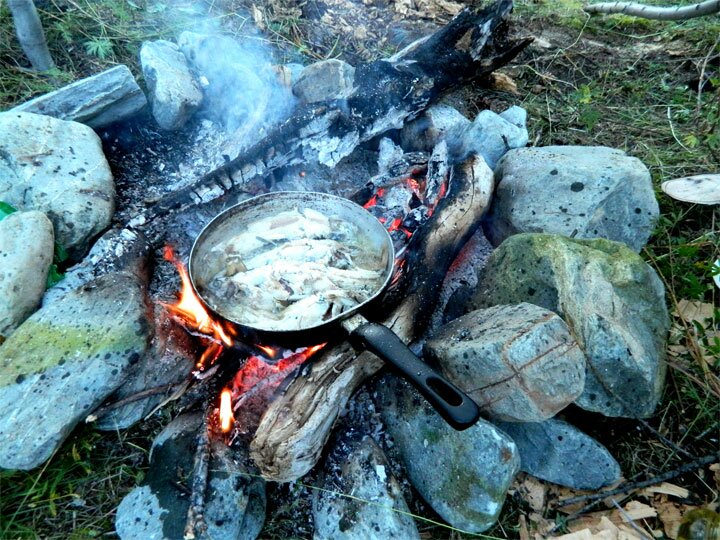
613	302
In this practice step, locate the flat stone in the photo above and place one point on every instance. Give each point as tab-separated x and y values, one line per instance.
325	80
491	135
26	252
462	475
578	191
435	124
168	362
519	363
365	474
97	101
613	302
560	453
174	93
59	168
118	250
157	509
63	362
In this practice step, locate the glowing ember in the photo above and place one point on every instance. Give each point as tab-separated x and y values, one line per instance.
257	371
190	310
226	414
374	199
395	226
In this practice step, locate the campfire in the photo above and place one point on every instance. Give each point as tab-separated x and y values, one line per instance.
412	181
402	203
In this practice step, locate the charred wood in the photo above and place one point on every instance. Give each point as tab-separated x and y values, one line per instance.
387	93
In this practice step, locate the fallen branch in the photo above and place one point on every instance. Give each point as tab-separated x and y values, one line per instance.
675	13
195	521
102	411
30	34
632	486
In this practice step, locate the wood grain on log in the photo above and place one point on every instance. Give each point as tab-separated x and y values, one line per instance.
296	426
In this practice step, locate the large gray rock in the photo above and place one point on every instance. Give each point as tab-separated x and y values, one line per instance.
157	509
381	511
428	129
324	80
519	363
59	168
463	475
103	99
491	135
560	453
174	93
613	302
578	191
26	251
63	361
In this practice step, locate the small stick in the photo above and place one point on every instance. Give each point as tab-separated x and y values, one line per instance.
675	13
195	519
630	521
632	486
102	411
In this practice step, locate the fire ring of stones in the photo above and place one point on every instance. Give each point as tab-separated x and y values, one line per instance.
555	309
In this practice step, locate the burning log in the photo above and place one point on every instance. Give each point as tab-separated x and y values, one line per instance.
296	426
387	93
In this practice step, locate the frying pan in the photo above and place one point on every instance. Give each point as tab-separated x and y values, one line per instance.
447	399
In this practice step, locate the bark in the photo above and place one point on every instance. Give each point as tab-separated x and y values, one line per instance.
675	13
296	426
30	34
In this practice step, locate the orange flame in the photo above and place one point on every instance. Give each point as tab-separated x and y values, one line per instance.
270	352
191	311
226	414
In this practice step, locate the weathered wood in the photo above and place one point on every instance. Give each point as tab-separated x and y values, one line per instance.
30	34
659	13
296	426
386	94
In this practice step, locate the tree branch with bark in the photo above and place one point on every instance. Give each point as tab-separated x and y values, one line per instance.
30	34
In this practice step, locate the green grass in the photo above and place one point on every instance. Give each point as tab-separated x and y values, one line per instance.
606	80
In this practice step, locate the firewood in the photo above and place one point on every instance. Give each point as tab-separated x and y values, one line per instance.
296	426
672	13
387	93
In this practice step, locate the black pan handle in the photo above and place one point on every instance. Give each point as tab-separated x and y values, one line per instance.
453	404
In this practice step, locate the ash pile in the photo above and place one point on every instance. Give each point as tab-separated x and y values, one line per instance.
517	276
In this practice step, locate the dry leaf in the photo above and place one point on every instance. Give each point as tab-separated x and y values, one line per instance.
667	489
699	189
602	529
693	310
524	532
715	468
532	491
503	83
635	510
716	277
670	515
258	17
